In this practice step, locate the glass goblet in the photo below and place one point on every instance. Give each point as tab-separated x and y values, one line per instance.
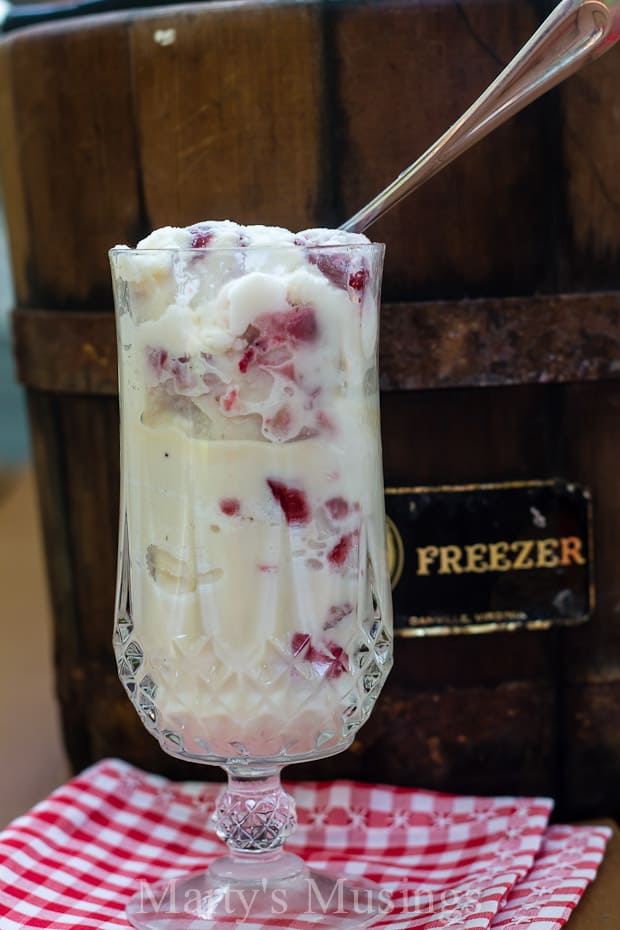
253	613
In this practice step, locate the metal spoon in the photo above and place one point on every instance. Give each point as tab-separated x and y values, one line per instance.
576	32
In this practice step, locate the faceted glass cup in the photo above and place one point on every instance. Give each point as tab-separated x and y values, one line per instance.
253	614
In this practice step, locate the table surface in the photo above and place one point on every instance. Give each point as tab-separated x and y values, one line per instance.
29	718
599	909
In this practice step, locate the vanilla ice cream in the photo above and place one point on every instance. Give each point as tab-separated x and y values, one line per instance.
253	616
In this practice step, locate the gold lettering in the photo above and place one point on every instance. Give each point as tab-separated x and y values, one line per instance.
449	560
571	551
523	548
426	556
475	553
547	558
497	557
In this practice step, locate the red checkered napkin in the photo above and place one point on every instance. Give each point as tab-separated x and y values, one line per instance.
566	864
441	861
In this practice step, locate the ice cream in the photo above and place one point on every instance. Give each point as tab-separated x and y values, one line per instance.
253	615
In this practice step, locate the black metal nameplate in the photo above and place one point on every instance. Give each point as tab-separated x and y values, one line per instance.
480	558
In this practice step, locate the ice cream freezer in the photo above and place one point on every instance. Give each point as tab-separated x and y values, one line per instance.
499	349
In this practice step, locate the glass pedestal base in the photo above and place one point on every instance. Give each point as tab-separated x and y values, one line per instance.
281	894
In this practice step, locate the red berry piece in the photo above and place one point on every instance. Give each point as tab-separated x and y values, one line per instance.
339	660
357	281
229	399
301	324
170	369
330	662
337	613
299	643
297	325
179	371
337	508
292	501
338	556
201	236
335	266
231	506
246	359
280	425
157	359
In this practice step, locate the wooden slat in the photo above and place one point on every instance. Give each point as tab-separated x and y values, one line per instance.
479	739
440	344
530	340
590	181
14	197
91	477
73	141
589	427
228	109
75	445
451	437
591	747
402	73
66	352
50	451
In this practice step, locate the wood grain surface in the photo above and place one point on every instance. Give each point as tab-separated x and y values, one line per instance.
74	142
553	339
228	115
482	225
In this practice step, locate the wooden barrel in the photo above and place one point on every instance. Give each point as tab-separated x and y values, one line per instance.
501	325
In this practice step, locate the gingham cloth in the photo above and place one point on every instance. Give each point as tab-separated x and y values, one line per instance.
442	861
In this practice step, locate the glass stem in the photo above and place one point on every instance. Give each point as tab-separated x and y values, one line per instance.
254	815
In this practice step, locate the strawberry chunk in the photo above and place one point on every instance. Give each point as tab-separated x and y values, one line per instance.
357	281
334	266
280	425
169	368
157	359
229	399
201	236
338	555
231	506
337	508
293	502
246	359
297	325
337	613
330	661
301	324
300	643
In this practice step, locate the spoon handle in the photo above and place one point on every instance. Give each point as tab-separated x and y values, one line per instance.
576	32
